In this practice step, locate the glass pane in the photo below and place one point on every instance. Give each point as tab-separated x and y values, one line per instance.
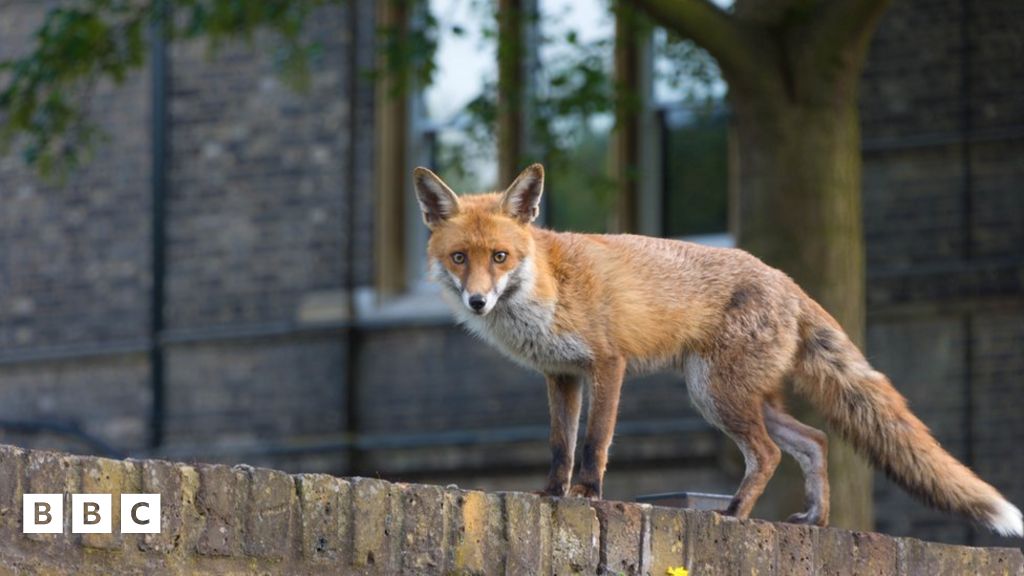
460	146
696	172
574	113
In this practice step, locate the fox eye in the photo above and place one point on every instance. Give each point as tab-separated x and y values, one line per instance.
459	257
500	257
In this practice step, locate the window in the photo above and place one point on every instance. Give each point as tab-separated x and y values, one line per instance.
692	120
695	174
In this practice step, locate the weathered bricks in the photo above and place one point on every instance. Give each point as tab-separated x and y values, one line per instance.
478	542
52	473
718	544
166	479
924	558
105	476
12	463
575	537
528	526
424	530
242	520
668	539
622	535
372	525
794	549
326	504
222	492
270	509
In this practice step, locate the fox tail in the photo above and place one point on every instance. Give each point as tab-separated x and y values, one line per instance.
862	405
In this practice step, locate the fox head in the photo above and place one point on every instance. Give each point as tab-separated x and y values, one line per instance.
480	245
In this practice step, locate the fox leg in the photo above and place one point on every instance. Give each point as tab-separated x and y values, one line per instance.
605	386
809	446
761	456
733	403
565	398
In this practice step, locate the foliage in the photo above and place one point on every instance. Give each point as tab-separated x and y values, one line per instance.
571	112
45	93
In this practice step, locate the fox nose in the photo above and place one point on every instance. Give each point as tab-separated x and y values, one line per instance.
477	302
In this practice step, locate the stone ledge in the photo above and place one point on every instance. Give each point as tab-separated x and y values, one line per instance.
241	520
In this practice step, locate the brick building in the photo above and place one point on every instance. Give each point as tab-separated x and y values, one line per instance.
206	287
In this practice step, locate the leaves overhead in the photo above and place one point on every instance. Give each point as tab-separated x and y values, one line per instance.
45	93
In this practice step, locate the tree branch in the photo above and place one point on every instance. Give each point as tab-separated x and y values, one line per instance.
711	28
846	24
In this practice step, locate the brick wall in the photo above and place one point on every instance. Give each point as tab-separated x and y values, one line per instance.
232	520
75	268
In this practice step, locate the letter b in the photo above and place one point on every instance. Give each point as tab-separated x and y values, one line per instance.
42	514
90	513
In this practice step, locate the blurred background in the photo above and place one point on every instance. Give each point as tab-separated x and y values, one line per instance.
209	247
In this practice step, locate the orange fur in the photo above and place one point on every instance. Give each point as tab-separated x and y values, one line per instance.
594	307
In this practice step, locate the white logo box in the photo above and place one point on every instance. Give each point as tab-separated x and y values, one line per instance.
90	513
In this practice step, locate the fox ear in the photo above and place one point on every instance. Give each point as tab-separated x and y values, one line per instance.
437	201
522	199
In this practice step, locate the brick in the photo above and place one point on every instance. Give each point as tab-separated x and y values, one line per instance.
12	463
372	526
164	478
795	546
845	552
528	526
668	539
834	555
52	473
221	501
750	545
575	537
424	529
105	476
270	511
326	504
925	558
874	553
478	533
1009	561
622	527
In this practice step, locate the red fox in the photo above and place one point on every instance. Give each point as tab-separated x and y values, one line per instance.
589	307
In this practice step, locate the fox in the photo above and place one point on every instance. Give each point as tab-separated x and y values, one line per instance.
594	308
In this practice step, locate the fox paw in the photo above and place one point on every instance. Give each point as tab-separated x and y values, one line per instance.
810	518
585	491
551	491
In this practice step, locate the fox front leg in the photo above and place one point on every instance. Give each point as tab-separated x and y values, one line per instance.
565	398
605	386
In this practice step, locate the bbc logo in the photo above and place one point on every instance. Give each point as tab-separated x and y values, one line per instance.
90	513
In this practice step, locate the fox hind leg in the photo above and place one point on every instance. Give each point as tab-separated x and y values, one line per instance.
809	447
732	404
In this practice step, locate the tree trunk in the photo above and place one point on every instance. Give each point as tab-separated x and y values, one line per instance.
793	68
799	209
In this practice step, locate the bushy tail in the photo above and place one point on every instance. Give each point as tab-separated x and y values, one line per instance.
863	406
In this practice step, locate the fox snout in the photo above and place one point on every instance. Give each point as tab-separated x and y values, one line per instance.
479	302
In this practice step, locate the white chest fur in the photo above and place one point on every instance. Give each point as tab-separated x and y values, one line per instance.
523	328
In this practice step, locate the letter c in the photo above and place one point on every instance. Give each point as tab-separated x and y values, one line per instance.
135	516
